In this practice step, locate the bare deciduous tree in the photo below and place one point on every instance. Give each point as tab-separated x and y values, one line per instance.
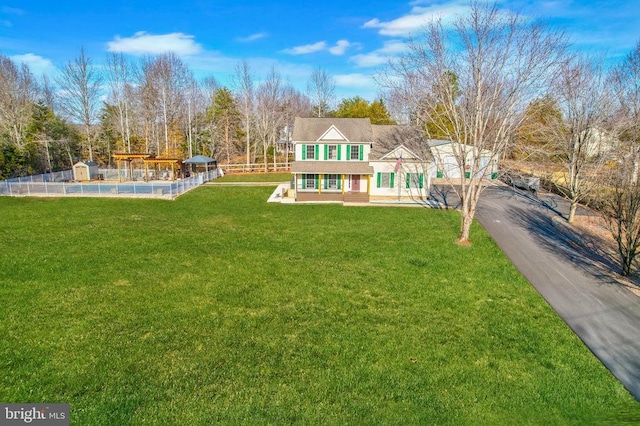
269	112
80	98
18	91
120	73
620	206
296	104
472	82
625	81
243	80
47	93
582	95
620	194
320	89
195	99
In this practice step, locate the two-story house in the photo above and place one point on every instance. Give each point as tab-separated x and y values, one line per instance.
351	160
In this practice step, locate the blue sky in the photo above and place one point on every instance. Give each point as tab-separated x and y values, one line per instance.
350	40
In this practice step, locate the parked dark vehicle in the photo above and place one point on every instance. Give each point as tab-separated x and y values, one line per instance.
521	181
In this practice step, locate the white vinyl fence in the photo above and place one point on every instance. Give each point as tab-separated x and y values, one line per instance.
60	184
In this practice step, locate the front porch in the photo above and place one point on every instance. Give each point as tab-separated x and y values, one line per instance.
331	181
346	188
347	197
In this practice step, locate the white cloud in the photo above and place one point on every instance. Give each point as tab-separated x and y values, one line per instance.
252	37
379	56
306	48
142	43
12	10
415	20
340	47
37	64
354	80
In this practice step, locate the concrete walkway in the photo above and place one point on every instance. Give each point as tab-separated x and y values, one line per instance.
571	273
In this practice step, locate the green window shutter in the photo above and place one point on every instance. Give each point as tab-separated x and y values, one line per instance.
326	152
304	152
421	180
317	182
304	181
348	153
408	181
391	185
316	153
361	152
339	179
379	179
326	181
339	148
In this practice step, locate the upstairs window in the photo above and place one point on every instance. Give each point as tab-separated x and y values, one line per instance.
311	152
332	153
355	152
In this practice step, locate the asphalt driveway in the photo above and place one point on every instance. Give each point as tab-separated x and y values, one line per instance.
569	271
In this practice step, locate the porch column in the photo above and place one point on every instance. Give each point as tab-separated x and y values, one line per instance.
320	184
342	179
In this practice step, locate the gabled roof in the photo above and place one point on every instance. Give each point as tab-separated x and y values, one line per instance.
401	152
86	163
313	129
387	138
333	134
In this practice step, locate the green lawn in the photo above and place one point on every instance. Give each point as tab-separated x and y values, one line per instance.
255	177
221	308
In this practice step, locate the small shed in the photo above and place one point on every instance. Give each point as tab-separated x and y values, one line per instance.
83	171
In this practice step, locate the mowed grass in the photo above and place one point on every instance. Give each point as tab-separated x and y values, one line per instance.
255	177
221	308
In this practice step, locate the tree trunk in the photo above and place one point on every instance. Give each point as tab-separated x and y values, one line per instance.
572	211
626	265
465	227
466	219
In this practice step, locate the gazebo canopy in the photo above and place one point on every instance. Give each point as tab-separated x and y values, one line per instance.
200	159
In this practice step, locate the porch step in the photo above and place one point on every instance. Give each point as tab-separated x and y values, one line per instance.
356	197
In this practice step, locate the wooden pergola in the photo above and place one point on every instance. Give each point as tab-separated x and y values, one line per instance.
175	163
128	157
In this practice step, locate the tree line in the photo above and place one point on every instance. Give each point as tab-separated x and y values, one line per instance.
154	105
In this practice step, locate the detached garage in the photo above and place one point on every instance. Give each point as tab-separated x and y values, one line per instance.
445	155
